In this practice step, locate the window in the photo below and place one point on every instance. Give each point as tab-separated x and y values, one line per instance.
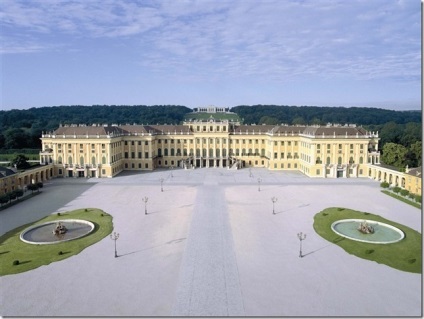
146	154
275	155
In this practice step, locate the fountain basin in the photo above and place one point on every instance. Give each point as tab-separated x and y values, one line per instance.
42	234
383	233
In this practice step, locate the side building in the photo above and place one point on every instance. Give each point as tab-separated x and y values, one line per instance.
104	151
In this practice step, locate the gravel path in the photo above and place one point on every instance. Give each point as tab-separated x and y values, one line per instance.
209	283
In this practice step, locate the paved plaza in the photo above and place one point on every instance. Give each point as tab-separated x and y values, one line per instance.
210	246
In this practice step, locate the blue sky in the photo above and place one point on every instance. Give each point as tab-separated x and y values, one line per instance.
200	53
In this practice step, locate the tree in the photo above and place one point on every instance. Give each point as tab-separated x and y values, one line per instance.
394	154
19	193
414	155
4	199
390	133
32	187
299	120
21	161
15	138
268	120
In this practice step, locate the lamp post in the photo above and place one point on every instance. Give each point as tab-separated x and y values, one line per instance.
259	184
145	199
273	199
301	237
161	184
115	237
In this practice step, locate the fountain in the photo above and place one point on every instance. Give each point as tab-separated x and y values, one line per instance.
63	230
367	231
365	228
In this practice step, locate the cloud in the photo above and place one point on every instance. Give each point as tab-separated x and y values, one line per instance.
209	40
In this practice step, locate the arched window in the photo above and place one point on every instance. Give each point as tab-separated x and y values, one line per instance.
339	160
104	160
82	160
159	152
166	152
218	153
93	160
70	160
351	160
172	152
328	160
59	159
318	161
361	160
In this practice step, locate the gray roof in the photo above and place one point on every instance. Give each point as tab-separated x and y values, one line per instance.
4	171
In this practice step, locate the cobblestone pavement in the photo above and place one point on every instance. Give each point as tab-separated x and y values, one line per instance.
210	246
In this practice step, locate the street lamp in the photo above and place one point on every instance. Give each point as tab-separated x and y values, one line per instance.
145	199
273	199
161	184
115	237
301	238
259	184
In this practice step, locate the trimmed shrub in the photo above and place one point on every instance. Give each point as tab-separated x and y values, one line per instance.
396	189
369	251
411	196
418	198
58	214
60	253
15	262
404	192
384	185
4	199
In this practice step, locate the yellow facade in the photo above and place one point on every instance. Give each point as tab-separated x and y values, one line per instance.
413	180
104	151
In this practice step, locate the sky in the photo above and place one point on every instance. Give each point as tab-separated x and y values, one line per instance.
207	52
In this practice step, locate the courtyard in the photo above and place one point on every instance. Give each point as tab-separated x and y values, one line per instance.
210	245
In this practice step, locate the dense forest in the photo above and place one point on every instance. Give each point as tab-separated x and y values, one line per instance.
22	128
400	130
275	114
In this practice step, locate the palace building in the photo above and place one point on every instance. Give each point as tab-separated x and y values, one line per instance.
99	151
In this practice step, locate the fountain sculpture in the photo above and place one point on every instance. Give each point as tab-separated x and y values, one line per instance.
365	228
60	229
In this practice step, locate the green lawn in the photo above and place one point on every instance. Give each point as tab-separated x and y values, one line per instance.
405	255
32	256
402	199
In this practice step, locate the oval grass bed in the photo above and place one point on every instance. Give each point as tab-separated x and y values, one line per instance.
405	255
18	256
